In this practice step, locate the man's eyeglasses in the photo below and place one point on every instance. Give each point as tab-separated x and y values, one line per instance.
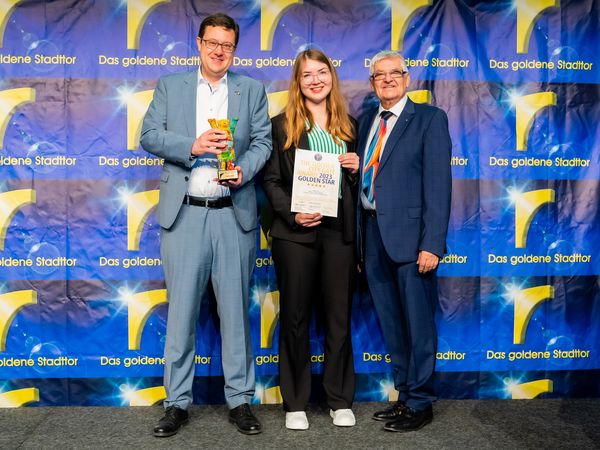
321	75
211	44
380	76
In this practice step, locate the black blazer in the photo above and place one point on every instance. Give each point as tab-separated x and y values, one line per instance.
277	183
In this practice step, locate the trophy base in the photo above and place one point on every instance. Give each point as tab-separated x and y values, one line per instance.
227	175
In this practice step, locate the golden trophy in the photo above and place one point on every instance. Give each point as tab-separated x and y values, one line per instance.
226	171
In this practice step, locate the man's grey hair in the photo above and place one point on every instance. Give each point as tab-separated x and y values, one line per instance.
386	54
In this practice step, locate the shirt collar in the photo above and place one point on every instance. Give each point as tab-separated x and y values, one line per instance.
202	80
397	108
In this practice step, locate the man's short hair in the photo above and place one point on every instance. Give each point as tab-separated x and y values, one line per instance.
220	20
385	54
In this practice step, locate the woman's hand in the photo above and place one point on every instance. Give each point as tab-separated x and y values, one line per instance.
308	220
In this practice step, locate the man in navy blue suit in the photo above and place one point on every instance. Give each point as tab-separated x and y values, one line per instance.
403	217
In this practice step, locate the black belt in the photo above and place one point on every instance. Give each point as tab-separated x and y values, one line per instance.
370	212
221	202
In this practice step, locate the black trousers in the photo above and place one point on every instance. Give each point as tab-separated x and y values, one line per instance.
322	271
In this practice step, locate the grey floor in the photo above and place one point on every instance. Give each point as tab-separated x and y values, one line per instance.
458	424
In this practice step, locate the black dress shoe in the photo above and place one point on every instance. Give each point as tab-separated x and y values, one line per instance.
244	420
391	412
410	420
173	419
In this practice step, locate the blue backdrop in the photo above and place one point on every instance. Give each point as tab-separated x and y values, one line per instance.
82	299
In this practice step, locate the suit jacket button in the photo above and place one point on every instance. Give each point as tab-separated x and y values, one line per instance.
187	178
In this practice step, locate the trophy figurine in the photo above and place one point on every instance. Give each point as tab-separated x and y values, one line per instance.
226	158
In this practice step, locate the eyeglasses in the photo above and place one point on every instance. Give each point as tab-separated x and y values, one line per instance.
211	44
380	76
321	75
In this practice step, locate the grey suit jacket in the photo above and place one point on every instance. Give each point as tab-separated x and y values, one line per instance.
169	130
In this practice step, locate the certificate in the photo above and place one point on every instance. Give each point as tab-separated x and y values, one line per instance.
316	183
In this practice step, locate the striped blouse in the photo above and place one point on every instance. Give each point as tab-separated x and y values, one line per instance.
320	140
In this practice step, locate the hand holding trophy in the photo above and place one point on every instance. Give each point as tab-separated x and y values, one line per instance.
226	171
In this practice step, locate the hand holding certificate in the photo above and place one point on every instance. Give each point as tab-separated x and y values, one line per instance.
316	184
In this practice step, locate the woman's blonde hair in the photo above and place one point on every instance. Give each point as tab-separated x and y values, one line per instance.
296	113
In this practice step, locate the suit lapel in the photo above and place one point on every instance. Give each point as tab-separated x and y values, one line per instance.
234	95
303	142
291	153
189	102
405	117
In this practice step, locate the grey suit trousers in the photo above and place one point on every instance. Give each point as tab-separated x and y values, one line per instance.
208	244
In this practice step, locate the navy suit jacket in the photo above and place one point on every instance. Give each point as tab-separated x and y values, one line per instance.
414	182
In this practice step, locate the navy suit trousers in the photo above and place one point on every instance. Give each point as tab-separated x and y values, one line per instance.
405	301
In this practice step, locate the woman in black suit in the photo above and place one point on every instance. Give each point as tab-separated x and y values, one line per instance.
314	255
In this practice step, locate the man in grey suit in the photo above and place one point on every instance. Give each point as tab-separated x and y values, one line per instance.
208	228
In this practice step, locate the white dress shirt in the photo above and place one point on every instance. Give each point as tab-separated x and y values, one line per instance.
396	110
211	103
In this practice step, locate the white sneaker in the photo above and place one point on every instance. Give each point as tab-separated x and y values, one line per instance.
296	420
342	417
